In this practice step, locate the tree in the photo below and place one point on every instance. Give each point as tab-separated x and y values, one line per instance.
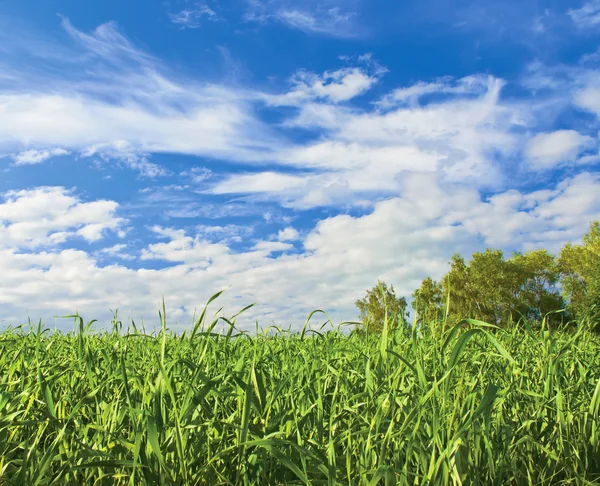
538	292
428	302
379	300
492	289
457	290
580	270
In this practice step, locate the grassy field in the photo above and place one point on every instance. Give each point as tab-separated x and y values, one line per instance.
471	405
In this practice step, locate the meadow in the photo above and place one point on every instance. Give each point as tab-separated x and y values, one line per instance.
471	404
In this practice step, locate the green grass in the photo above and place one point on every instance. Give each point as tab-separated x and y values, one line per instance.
475	405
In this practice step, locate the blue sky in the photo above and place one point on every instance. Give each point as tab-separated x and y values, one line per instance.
293	152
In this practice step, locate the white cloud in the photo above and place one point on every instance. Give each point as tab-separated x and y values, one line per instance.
416	161
541	219
470	85
587	16
331	21
273	246
263	182
47	216
192	17
197	174
547	150
230	233
117	251
463	136
333	86
401	241
196	252
288	234
122	152
115	100
322	18
30	157
589	98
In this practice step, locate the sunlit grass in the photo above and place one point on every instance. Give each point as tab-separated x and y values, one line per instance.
474	405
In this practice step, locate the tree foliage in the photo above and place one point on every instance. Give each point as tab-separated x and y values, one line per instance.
492	289
534	285
580	268
381	301
428	301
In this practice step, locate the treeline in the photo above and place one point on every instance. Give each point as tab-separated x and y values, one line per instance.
527	286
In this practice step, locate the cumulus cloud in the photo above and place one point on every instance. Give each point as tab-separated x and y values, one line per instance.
288	234
588	98
48	216
401	240
547	150
30	157
540	219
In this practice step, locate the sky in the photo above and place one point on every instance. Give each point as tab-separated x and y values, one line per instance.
292	153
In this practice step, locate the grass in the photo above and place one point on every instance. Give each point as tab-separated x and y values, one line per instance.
471	405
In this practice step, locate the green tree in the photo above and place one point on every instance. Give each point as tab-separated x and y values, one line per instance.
428	302
580	269
492	289
379	300
538	292
457	290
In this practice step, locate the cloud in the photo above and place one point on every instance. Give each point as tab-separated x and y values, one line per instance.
116	251
288	234
541	219
470	85
122	152
411	167
332	21
332	86
192	17
107	43
197	175
49	216
588	98
547	150
401	240
30	157
115	101
464	134
326	18
273	246
587	16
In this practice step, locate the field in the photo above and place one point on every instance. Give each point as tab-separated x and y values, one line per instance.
470	405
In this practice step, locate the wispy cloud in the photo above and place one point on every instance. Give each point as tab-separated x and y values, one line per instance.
116	251
332	86
193	16
324	18
117	101
587	16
